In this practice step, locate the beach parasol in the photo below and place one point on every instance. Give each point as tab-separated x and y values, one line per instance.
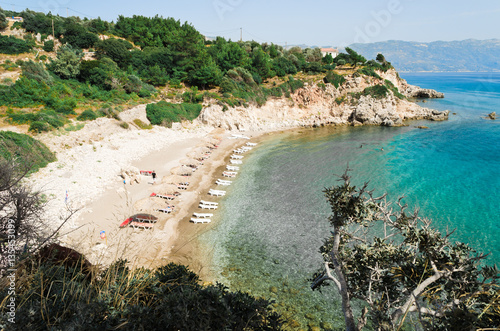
148	205
190	162
203	149
213	140
181	171
197	155
165	189
175	179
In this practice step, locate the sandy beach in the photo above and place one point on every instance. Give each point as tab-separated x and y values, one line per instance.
86	177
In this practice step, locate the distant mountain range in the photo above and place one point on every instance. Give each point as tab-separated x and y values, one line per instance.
465	55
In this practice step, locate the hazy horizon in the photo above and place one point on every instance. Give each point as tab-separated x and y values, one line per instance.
318	23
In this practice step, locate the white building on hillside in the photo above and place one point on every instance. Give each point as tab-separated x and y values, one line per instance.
332	51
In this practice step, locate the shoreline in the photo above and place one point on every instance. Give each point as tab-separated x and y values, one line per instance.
92	167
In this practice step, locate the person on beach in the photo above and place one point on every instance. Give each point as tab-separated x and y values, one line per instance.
154	177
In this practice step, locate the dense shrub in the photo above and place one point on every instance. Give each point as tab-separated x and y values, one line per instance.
87	115
12	45
67	63
38	127
334	79
377	91
369	71
48	46
394	89
313	68
76	35
283	66
37	71
166	113
49	117
142	125
3	21
16	145
168	298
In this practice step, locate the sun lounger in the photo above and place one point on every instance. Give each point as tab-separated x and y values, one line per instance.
203	215
202	206
146	172
236	136
229	174
217	193
200	220
251	144
246	148
182	187
238	151
223	182
236	157
166	210
141	225
236	161
164	196
232	168
209	203
145	219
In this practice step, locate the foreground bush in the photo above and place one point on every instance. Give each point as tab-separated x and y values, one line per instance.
170	298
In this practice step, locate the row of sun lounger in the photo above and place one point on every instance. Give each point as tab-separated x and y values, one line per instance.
231	172
146	221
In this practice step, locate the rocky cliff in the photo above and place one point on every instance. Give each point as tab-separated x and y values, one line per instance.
320	104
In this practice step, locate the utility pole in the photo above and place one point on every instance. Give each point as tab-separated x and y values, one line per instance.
241	34
67	12
53	34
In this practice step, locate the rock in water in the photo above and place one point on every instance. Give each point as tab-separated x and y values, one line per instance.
492	116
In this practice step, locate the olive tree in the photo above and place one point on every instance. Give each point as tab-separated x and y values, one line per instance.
411	273
67	63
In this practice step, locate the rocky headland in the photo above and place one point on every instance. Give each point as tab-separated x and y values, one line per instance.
318	104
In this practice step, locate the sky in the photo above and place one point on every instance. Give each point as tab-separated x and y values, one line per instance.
291	22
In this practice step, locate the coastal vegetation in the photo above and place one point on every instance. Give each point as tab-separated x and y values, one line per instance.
88	64
92	69
166	113
411	274
53	295
20	146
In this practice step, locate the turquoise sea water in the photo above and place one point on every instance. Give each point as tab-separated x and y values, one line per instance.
273	220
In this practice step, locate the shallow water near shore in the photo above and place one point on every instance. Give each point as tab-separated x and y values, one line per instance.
273	219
